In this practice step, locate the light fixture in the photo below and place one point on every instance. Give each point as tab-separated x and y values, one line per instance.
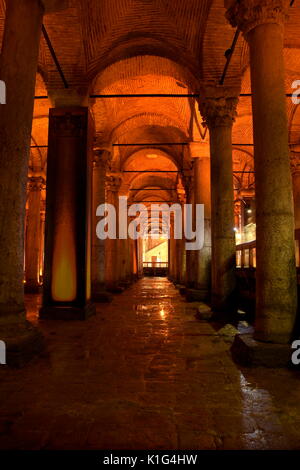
152	156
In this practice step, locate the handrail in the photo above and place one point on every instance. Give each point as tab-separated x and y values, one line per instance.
155	264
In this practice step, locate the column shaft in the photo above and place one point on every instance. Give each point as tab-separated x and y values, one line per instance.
18	66
203	196
33	236
67	283
222	215
98	246
262	23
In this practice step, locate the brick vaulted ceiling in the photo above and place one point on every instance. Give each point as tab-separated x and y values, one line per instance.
150	46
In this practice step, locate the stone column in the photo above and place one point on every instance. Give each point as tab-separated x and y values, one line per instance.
18	67
124	247
262	22
295	166
190	254
200	154
182	260
33	235
42	243
218	108
112	255
99	293
67	280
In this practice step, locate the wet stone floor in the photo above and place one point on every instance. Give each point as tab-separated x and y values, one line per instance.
144	373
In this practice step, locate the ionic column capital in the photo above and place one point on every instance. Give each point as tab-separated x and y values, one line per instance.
247	14
36	183
218	105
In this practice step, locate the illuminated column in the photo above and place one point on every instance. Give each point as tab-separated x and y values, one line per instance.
42	244
182	260
124	247
67	280
112	254
262	22
190	254
33	235
295	164
200	155
99	293
218	108
18	67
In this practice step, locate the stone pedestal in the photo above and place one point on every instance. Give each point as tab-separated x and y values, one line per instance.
248	352
218	108
67	279
262	24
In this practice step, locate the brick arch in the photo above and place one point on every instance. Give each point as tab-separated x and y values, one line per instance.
143	120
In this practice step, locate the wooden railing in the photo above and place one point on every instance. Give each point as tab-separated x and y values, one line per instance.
155	264
246	253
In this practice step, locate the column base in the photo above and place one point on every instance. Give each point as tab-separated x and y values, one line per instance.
117	289
55	312
125	284
195	295
102	296
251	353
23	342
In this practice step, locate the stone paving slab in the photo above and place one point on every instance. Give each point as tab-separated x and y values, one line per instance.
144	373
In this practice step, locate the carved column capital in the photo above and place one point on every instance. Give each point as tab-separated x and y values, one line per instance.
101	159
36	183
218	104
247	14
113	182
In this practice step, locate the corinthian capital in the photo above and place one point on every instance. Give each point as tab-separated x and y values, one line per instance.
247	14
101	159
113	182
218	105
35	183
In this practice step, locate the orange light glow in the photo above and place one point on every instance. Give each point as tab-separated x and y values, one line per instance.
64	283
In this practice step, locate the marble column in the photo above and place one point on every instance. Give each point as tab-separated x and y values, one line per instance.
99	294
112	254
33	235
295	166
18	67
218	108
67	280
182	258
190	254
262	22
124	252
42	242
200	154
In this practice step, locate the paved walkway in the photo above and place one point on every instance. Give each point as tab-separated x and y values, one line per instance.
144	374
